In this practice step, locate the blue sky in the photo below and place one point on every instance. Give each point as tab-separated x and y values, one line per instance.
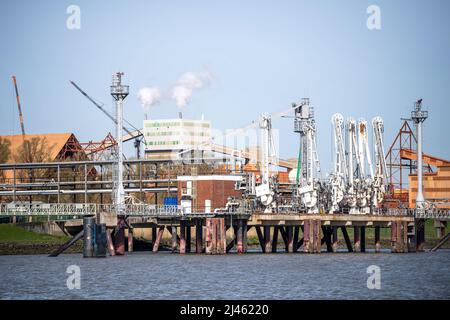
263	54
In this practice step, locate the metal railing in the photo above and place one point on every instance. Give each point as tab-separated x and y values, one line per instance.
288	210
438	214
149	210
48	209
75	210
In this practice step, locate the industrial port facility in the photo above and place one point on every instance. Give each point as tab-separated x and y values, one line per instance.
210	195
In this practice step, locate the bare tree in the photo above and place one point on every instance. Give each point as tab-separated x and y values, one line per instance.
31	151
5	153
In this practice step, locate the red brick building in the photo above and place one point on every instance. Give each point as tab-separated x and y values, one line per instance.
205	193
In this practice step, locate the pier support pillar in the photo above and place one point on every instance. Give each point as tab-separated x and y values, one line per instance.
173	230
198	236
420	234
393	236
307	236
290	238
326	231
188	236
119	236
260	238
213	226
182	237
312	241
222	236
377	239
275	239
356	239
130	239
267	243
399	237
158	239
404	237
335	239
317	239
110	243
283	233
296	234
245	229
239	234
215	236
348	243
363	239
154	234
208	236
441	226
88	236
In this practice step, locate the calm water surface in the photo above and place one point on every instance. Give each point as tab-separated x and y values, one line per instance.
143	275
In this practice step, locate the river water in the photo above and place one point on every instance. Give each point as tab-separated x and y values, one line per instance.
143	275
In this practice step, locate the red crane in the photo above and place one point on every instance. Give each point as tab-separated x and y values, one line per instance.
19	107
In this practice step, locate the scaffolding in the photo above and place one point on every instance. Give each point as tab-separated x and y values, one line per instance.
399	167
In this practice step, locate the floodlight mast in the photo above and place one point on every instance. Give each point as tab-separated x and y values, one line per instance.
119	92
419	116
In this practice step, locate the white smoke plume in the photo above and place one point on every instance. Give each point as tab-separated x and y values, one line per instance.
148	97
183	88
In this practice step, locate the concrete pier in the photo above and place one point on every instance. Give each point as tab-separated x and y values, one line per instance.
298	232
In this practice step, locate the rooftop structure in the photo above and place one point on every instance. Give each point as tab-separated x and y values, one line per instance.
165	137
60	145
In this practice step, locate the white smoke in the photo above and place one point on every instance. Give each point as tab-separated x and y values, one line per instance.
148	97
183	88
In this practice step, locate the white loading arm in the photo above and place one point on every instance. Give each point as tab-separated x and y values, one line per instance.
315	155
265	191
337	178
364	150
380	161
353	156
308	187
340	165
